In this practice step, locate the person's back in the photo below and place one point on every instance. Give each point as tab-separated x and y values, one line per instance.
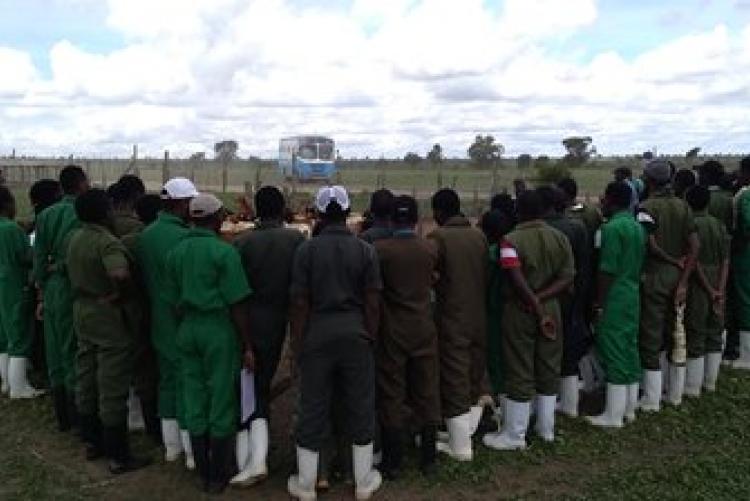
126	223
674	223
153	246
15	254
721	207
542	250
53	227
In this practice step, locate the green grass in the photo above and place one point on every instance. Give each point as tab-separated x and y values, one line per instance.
697	451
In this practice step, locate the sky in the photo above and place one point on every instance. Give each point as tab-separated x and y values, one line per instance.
381	77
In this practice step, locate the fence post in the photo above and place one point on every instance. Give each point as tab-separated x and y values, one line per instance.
165	168
224	174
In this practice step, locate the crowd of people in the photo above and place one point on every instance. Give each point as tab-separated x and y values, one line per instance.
470	332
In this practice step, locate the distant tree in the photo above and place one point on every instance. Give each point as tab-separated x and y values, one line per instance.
412	159
226	151
484	151
693	154
435	155
198	156
523	161
579	150
551	172
541	161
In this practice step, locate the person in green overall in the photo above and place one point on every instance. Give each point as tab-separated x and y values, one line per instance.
540	267
207	287
461	320
589	215
125	193
704	313
672	252
53	227
16	298
98	265
618	305
151	249
741	265
267	256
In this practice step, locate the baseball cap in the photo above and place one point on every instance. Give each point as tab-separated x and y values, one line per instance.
178	188
329	194
658	170
205	205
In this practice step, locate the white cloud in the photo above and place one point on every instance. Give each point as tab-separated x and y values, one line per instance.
382	76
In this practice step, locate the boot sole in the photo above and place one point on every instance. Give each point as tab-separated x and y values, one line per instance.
250	482
364	495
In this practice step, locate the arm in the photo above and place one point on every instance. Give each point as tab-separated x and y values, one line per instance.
372	312
299	316
241	321
703	280
524	291
604	283
555	288
690	261
659	253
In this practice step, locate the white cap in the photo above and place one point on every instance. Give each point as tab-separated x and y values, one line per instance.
205	205
178	188
329	194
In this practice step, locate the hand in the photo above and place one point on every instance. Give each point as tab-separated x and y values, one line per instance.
680	295
248	360
719	305
598	313
680	263
39	314
548	327
717	296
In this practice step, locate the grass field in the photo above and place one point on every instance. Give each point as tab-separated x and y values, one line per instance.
697	451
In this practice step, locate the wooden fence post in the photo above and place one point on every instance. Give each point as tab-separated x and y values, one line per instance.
165	168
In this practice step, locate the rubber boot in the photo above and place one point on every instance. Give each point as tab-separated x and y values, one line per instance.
459	445
743	362
614	408
255	469
694	376
651	400
135	413
91	435
475	414
242	451
428	450
60	404
221	453
188	449
545	418
302	485
711	372
117	449
515	424
676	384
568	404
200	452
4	361
18	382
393	453
632	402
151	420
366	479
170	431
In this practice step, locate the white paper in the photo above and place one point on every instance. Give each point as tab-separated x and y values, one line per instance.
247	390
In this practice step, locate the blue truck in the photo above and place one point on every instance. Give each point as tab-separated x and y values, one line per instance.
307	158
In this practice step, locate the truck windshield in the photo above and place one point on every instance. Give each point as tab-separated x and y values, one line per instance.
316	151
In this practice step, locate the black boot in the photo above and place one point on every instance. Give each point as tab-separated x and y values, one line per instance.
200	453
151	420
60	403
220	458
91	435
393	453
117	447
428	451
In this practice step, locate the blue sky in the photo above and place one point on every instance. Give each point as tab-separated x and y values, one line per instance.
386	76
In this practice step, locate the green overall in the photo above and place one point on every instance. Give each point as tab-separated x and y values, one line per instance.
495	321
703	326
204	277
53	228
673	226
533	362
105	333
152	247
623	248
15	293
741	260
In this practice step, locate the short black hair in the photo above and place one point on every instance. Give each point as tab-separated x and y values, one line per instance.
529	205
6	198
683	180
93	206
147	208
334	213
381	204
698	198
269	203
622	173
446	200
132	186
710	173
71	176
492	224
548	197
504	203
569	187
44	193
619	194
405	210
